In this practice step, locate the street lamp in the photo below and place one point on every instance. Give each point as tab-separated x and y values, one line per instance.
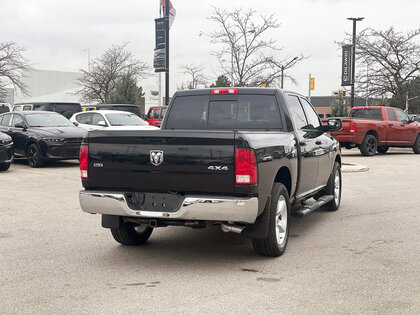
88	55
353	66
285	67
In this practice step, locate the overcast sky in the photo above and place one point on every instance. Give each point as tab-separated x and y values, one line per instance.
55	32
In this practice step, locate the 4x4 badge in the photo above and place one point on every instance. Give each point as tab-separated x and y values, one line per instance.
156	157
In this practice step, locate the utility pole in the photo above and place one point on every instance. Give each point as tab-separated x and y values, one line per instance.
160	73
310	87
353	63
167	52
285	67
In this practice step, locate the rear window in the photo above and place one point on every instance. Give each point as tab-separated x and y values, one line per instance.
246	112
367	113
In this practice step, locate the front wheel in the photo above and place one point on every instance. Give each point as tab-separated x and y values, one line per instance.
4	166
416	145
34	156
278	224
132	234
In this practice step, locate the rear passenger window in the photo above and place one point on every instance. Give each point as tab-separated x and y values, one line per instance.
296	110
391	114
6	120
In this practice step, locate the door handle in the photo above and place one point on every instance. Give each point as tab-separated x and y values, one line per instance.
391	125
319	142
302	143
402	125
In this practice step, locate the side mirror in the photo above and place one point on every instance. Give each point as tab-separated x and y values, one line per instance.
413	119
333	124
102	123
75	123
143	116
20	125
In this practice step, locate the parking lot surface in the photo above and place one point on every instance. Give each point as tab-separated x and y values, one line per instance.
364	258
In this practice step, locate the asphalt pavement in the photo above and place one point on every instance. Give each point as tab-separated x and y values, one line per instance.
364	258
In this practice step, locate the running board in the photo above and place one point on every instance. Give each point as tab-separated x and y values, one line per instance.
313	206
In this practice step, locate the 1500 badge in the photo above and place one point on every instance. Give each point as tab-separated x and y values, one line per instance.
217	168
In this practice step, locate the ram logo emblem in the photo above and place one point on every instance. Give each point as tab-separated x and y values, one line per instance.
156	157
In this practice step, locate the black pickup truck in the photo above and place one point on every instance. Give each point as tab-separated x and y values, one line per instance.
242	158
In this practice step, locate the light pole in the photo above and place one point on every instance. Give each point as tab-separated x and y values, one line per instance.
88	54
285	67
409	99
353	63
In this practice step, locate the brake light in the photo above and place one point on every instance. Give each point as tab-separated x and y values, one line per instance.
353	127
224	91
245	167
83	159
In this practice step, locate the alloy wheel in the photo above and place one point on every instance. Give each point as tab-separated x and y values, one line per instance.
281	220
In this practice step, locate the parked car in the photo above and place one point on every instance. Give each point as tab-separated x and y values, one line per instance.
6	151
109	119
41	136
5	107
155	115
241	158
376	128
122	107
65	109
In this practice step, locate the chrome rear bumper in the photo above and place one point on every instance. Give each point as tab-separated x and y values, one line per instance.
234	209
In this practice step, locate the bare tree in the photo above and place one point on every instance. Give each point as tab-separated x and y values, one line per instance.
106	72
196	76
246	55
387	62
12	66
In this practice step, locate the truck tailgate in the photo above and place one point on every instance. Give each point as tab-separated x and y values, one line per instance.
183	161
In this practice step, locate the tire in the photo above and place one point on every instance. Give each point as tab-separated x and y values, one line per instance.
416	145
131	234
334	188
34	156
369	145
382	149
4	166
278	224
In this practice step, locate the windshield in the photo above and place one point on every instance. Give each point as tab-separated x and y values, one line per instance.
126	119
47	120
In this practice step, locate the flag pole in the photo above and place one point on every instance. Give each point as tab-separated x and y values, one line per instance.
167	53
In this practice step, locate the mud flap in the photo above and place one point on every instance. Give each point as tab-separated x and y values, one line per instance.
111	221
259	230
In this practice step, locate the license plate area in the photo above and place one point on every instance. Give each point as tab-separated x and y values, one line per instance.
154	201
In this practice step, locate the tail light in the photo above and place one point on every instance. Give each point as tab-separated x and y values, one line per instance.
245	167
353	127
83	159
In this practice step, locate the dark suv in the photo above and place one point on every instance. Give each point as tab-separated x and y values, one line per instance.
65	109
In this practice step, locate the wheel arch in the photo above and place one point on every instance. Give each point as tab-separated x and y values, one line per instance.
29	142
373	133
284	177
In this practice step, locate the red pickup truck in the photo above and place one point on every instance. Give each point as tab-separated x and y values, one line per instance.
376	128
155	115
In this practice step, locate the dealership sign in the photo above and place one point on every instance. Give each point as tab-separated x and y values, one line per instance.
346	66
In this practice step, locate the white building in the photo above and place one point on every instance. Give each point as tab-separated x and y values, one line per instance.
50	86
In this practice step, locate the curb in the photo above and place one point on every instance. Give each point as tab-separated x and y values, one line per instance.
353	168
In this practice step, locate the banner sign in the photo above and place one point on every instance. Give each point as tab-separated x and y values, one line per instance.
346	66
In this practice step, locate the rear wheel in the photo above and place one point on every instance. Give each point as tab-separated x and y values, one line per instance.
382	149
132	234
369	145
334	188
4	166
34	156
416	145
278	224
